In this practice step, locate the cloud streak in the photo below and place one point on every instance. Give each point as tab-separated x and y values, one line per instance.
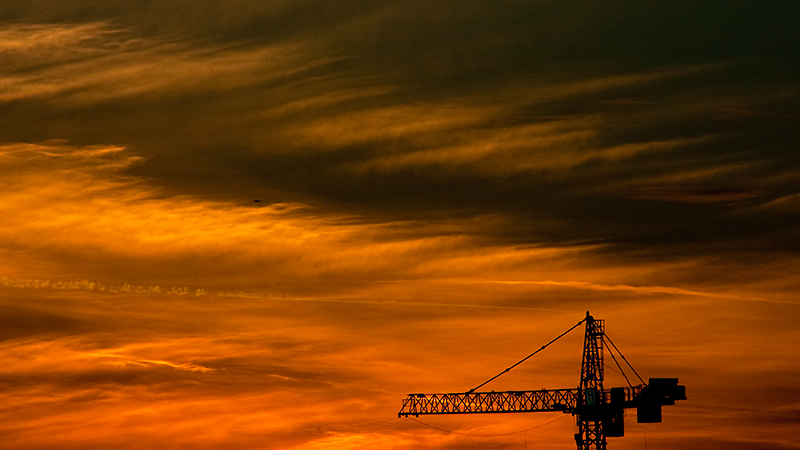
95	62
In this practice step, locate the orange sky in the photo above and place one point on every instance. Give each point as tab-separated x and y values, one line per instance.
443	189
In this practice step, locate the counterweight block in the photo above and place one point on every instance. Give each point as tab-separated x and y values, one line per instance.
659	392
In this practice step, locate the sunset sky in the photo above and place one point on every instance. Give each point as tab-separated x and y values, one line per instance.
443	186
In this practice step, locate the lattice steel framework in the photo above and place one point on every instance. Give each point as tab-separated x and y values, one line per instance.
590	425
565	400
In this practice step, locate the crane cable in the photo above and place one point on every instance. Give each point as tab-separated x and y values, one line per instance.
605	336
621	370
525	358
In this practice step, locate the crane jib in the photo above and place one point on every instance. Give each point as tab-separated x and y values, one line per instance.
565	400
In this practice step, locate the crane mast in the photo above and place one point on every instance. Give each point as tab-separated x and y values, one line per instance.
590	425
600	412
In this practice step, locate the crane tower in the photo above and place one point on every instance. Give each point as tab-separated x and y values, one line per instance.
599	412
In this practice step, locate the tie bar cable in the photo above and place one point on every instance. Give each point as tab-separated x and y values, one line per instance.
621	370
525	358
624	358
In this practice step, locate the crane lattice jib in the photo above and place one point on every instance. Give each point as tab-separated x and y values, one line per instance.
491	402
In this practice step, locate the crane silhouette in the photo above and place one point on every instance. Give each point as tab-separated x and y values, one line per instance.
599	412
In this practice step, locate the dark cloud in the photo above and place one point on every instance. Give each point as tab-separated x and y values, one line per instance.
715	79
18	322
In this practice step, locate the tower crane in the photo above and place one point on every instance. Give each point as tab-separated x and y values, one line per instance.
599	412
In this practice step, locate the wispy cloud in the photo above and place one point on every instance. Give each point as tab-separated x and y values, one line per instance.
114	359
87	63
70	201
